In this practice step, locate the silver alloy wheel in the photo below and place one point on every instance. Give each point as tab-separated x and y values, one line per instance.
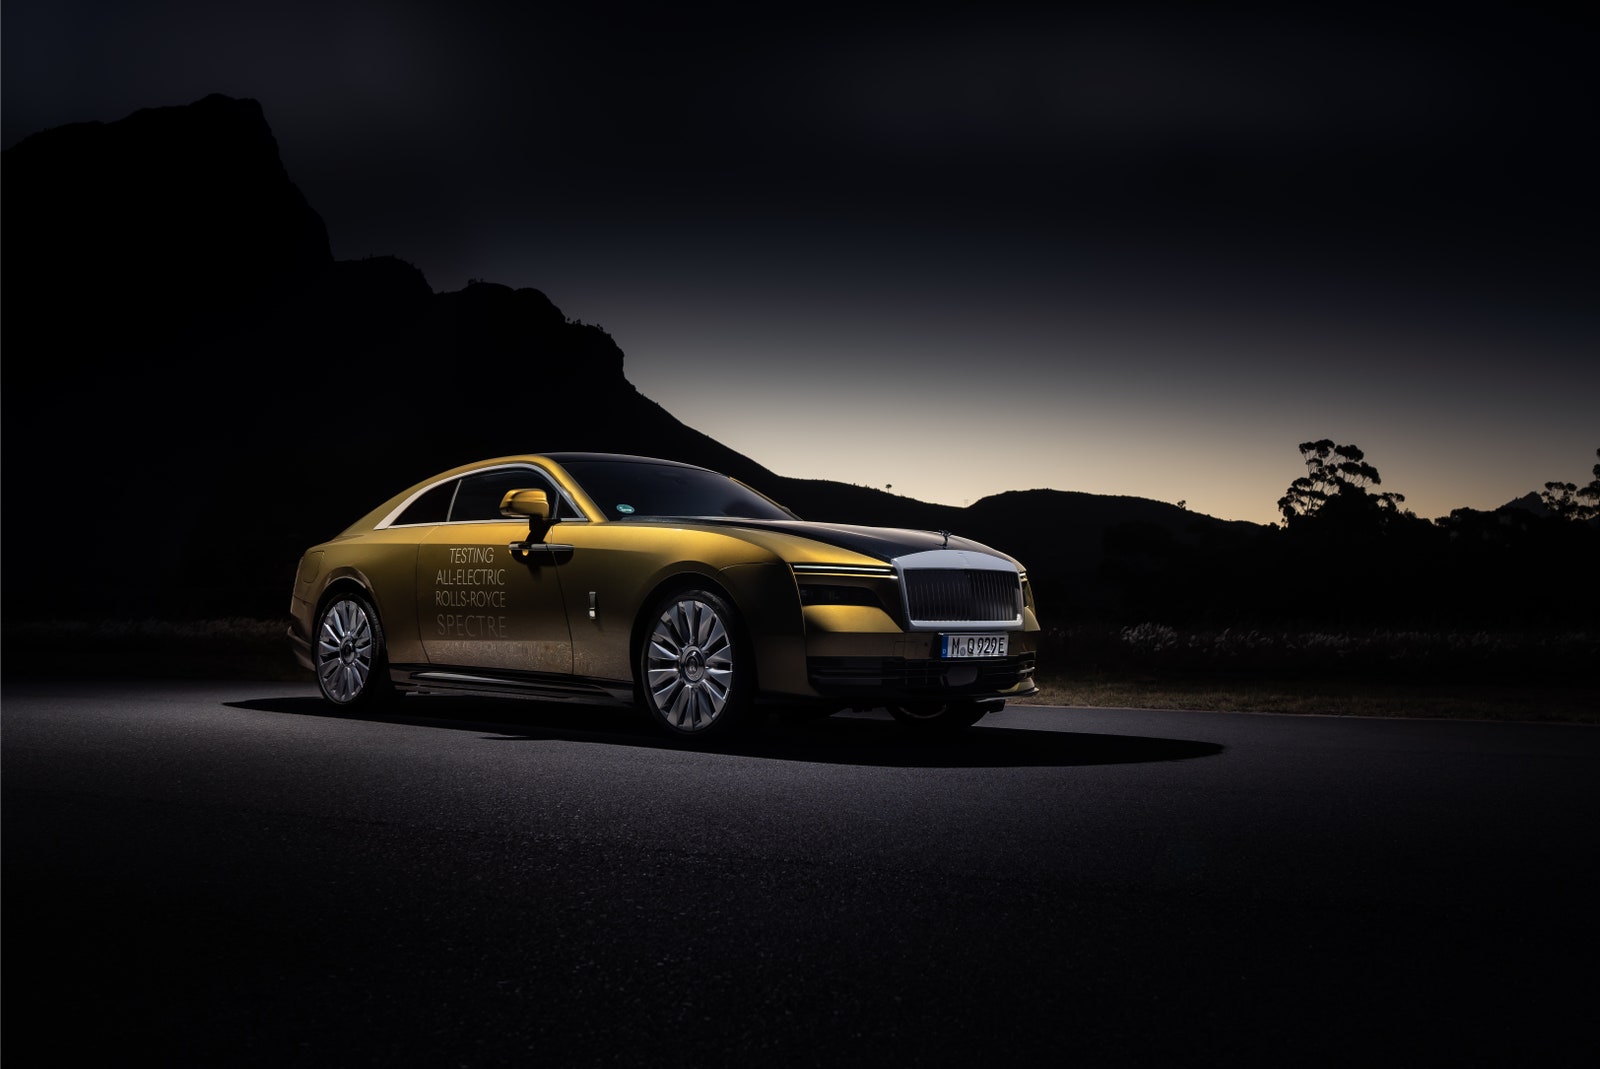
346	646
689	664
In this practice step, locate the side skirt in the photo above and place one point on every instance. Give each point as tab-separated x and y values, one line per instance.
429	679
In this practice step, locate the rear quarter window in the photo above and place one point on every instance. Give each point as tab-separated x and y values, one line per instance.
432	507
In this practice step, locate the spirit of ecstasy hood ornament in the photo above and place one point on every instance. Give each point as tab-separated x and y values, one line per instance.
946	535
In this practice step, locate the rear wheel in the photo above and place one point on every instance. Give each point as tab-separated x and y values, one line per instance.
351	662
694	671
944	716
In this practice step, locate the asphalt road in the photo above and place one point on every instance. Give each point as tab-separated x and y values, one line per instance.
229	875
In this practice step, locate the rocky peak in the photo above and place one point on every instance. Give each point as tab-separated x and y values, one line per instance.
128	231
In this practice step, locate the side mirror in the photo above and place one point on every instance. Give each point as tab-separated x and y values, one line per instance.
534	504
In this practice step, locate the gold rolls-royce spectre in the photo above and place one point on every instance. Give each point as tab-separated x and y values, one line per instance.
603	577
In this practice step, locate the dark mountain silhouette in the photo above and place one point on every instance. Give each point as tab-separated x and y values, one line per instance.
1529	502
167	224
195	390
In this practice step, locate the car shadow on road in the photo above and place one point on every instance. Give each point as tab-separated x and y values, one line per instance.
870	739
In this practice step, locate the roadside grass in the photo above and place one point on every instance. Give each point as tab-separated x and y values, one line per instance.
1535	703
233	648
1550	678
1539	675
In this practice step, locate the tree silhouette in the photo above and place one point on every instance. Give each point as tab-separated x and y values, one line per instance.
1591	493
1336	483
1569	501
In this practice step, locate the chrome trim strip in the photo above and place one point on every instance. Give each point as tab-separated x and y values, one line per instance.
880	570
966	625
544	688
460	677
388	521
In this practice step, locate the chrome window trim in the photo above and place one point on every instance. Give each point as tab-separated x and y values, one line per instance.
387	523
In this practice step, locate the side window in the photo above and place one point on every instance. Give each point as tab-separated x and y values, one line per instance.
480	495
432	507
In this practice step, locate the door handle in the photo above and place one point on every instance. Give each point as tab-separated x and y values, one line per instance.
528	549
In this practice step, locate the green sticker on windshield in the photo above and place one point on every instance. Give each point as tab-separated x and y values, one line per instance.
626	510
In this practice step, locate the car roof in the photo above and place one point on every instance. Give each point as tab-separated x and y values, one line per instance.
626	458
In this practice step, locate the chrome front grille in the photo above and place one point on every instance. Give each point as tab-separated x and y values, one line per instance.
962	595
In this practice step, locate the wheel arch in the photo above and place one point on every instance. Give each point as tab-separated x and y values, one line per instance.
342	583
347	583
367	689
764	595
677	583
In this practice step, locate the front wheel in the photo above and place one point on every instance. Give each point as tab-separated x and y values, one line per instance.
694	671
349	655
944	716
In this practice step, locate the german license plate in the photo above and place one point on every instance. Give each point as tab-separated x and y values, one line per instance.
972	645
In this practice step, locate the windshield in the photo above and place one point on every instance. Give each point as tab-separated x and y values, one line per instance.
627	490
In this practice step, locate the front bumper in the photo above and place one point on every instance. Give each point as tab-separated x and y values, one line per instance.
904	679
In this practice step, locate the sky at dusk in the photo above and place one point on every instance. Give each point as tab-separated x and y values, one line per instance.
962	249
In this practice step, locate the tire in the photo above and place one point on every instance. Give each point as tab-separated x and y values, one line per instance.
944	716
694	670
349	655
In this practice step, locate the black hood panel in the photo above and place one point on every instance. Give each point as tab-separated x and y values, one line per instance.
884	543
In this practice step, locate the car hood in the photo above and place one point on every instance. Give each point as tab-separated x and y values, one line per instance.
883	543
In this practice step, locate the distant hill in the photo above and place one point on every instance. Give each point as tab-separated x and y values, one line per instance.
195	389
1530	503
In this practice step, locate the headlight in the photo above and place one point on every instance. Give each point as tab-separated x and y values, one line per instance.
847	584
